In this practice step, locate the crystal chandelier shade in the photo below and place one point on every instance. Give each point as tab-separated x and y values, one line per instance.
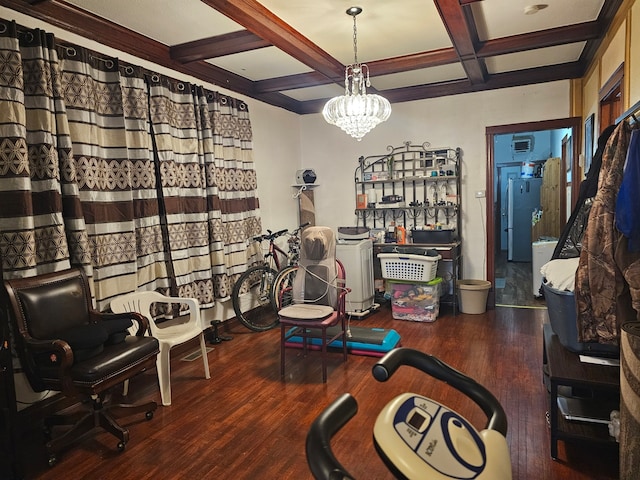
356	112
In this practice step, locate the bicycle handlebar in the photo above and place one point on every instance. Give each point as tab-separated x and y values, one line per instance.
272	236
305	224
382	371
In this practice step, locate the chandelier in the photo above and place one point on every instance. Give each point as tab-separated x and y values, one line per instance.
356	112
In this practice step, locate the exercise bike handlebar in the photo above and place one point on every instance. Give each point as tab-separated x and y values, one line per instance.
385	368
322	462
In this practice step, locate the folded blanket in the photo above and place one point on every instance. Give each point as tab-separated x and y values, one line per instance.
560	273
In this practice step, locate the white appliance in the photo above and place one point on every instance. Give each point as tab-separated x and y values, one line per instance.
541	254
357	258
524	198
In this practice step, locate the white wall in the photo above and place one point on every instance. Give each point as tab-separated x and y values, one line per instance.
456	121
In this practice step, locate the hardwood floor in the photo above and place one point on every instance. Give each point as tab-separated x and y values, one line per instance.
246	423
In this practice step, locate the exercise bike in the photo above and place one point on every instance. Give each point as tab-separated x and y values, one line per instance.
416	437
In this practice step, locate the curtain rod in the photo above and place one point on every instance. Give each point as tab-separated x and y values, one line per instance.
629	113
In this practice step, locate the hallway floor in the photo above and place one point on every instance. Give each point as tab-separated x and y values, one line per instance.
513	284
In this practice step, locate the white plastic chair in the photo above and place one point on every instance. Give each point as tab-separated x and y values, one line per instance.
168	335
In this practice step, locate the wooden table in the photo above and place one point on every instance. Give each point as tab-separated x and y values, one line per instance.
565	369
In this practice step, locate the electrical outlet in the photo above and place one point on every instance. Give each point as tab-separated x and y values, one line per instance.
480	193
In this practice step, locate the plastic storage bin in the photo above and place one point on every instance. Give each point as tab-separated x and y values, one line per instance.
561	306
433	236
418	302
408	267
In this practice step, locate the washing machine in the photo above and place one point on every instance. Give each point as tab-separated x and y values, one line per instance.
541	254
357	258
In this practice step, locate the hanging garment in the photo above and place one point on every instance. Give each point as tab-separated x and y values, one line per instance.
570	241
628	201
599	282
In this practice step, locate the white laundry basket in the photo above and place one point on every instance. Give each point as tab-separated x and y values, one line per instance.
408	267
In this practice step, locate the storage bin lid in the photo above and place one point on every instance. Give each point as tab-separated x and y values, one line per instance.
353	233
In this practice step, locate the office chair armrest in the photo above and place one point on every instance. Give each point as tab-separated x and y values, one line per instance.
63	354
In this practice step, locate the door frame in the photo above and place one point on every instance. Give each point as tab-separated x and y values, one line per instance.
575	124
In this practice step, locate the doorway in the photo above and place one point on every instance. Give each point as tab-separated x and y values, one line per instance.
497	172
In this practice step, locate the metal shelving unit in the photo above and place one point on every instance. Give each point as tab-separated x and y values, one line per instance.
427	179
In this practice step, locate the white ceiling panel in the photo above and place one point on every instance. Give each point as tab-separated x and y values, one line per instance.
167	21
419	77
259	64
498	18
534	58
385	28
312	93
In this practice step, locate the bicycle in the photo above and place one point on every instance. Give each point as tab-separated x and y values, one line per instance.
252	294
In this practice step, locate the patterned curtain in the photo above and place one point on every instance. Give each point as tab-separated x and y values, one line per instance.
41	222
146	181
232	195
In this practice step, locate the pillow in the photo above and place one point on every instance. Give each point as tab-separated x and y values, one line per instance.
117	329
306	311
85	340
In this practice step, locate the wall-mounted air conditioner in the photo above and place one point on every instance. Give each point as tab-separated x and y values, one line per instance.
521	144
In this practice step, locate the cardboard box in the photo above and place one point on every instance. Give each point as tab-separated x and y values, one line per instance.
417	302
375	176
361	200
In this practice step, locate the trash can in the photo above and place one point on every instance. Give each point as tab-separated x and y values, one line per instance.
472	295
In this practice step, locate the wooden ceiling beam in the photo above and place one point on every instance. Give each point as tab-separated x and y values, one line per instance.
458	21
218	46
262	22
445	56
456	87
579	32
85	24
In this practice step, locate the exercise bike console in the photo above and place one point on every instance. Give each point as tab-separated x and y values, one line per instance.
417	437
415	433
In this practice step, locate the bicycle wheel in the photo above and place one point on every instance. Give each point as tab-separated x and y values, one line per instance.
251	298
281	295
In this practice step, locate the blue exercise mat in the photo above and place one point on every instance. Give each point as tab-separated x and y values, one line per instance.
374	342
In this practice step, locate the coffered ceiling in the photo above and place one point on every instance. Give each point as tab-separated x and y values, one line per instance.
292	53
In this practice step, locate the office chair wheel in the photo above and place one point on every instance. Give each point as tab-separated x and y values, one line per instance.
149	415
121	446
52	460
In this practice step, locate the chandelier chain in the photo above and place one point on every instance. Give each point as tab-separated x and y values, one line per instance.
355	41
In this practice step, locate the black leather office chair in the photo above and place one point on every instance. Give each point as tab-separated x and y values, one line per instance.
65	345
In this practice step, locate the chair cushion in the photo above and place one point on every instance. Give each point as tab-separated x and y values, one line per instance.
302	311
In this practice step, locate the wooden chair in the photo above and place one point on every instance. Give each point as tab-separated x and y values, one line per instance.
318	298
65	345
